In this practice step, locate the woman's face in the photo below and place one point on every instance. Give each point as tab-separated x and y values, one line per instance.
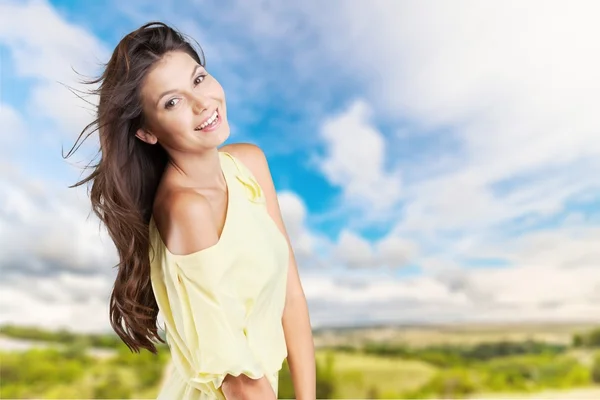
183	105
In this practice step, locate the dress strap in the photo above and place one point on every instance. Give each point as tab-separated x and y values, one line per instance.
254	192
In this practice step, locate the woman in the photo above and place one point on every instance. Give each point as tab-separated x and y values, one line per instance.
197	228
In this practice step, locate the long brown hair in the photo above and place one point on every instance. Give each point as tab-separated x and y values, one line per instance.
125	179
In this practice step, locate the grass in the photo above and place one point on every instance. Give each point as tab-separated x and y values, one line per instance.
365	376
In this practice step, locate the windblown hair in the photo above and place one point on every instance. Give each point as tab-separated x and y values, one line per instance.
126	177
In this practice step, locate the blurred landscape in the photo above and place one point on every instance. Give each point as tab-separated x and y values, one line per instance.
553	360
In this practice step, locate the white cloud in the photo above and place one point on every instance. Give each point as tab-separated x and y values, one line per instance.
396	251
515	86
569	248
463	201
309	246
537	286
515	82
514	294
56	263
355	159
374	290
448	63
76	303
48	56
293	211
354	251
50	227
12	127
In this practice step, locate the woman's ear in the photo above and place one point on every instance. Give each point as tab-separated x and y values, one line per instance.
146	136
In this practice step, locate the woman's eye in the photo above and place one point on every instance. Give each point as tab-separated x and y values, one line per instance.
171	103
199	79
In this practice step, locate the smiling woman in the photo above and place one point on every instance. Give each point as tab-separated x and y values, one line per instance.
197	227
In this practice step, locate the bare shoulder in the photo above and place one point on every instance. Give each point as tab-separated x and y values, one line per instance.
185	221
252	156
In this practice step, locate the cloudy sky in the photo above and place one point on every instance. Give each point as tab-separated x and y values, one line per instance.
435	161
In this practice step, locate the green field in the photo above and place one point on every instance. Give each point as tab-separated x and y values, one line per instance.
499	361
72	371
367	376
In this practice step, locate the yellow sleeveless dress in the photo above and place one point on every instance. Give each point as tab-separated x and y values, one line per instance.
223	305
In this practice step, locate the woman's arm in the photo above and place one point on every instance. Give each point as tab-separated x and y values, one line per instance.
298	336
245	388
296	321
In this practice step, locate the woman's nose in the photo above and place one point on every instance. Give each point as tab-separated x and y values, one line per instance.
199	104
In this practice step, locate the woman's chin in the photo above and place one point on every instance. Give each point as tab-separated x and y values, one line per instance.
217	137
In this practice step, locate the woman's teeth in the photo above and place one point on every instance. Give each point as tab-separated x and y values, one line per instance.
210	121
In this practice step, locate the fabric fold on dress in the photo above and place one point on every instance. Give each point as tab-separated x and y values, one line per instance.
214	342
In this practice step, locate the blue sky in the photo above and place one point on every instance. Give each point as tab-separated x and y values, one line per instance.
434	162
